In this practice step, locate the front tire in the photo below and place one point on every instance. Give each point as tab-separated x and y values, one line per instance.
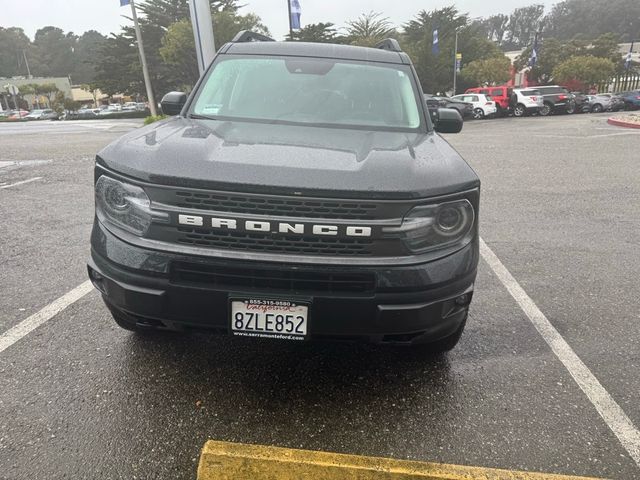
519	111
597	108
478	114
546	110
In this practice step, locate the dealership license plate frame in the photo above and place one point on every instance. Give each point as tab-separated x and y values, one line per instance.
275	302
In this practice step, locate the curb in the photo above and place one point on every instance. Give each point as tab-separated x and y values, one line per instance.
622	123
234	461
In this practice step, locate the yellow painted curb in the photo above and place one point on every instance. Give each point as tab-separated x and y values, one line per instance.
234	461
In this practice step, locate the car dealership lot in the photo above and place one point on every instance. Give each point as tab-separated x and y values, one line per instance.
560	211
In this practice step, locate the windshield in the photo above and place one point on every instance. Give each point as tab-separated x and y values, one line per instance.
310	91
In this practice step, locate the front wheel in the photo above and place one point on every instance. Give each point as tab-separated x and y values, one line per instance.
571	108
519	111
478	114
597	108
546	110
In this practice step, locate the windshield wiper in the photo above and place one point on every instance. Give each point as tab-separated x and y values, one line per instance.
198	116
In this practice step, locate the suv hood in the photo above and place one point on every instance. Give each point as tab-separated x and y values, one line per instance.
302	160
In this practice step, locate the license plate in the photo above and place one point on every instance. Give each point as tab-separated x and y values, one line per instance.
280	319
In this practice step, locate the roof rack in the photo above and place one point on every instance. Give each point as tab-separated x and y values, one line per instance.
248	36
390	44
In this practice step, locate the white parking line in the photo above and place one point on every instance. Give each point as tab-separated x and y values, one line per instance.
21	183
29	324
609	410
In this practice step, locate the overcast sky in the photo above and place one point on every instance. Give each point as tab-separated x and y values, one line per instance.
106	15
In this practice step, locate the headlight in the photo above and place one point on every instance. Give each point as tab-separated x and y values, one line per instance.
124	205
431	227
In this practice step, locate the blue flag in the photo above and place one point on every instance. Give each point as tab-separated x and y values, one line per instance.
533	59
296	11
627	62
435	48
124	2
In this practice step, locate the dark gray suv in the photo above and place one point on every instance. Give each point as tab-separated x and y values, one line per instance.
300	192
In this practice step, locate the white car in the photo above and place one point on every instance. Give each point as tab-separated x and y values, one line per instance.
525	101
42	114
483	105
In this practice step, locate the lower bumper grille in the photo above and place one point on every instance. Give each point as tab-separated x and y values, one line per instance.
272	279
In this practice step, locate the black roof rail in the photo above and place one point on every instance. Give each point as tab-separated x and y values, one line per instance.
390	44
249	36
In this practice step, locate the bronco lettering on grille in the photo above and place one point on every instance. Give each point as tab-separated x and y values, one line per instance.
274	227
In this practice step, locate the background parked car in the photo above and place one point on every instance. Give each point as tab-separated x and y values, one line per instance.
581	101
500	95
433	103
17	114
556	99
483	105
42	114
82	114
605	102
525	101
631	99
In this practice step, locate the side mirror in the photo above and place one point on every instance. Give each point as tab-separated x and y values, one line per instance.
173	102
449	121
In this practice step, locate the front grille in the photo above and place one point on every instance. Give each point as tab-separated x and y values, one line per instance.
276	206
260	242
272	279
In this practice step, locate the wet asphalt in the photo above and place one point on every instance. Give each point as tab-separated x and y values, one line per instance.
80	398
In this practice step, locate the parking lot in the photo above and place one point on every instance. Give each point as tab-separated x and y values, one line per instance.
545	377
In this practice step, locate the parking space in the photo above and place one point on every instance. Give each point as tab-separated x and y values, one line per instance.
82	398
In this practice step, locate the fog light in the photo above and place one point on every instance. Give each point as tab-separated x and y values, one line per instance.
463	300
95	275
97	280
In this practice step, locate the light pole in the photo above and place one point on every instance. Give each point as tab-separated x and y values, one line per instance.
290	20
202	33
455	65
143	60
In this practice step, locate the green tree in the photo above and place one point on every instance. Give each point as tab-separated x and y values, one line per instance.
436	70
48	90
316	32
592	18
70	105
497	26
523	24
13	42
369	29
86	56
119	69
586	70
553	52
52	52
178	46
491	71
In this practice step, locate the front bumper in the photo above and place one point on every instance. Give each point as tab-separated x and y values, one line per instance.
406	304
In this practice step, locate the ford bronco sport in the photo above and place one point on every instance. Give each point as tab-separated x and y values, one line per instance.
299	192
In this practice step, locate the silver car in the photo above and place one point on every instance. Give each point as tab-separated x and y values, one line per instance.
605	102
